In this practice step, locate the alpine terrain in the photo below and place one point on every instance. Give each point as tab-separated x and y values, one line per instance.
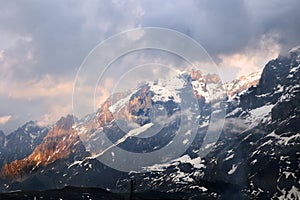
256	155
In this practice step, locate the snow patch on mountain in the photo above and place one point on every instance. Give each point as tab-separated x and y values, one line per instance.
196	163
293	193
233	169
261	111
166	89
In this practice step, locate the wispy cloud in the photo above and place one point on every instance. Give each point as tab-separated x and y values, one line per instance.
249	60
5	119
48	86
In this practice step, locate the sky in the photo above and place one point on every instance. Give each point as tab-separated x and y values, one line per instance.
43	43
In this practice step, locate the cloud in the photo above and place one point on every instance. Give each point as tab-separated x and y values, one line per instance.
232	30
59	42
5	119
1	55
34	89
54	112
228	26
104	91
44	100
43	43
250	60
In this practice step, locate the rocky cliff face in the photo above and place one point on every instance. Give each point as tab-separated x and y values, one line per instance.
263	158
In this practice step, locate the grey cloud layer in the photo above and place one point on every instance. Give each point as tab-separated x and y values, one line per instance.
41	38
229	26
63	32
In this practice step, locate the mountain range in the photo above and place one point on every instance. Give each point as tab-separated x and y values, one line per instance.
256	154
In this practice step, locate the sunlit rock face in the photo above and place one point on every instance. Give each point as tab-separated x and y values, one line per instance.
60	142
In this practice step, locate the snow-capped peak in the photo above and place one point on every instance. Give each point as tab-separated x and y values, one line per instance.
166	89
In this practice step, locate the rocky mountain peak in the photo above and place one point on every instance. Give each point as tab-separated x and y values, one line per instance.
242	83
66	122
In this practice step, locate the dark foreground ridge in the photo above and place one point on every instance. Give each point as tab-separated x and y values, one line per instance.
74	193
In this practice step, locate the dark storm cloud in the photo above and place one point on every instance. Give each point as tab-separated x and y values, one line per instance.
63	32
49	28
216	25
278	17
60	33
229	26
